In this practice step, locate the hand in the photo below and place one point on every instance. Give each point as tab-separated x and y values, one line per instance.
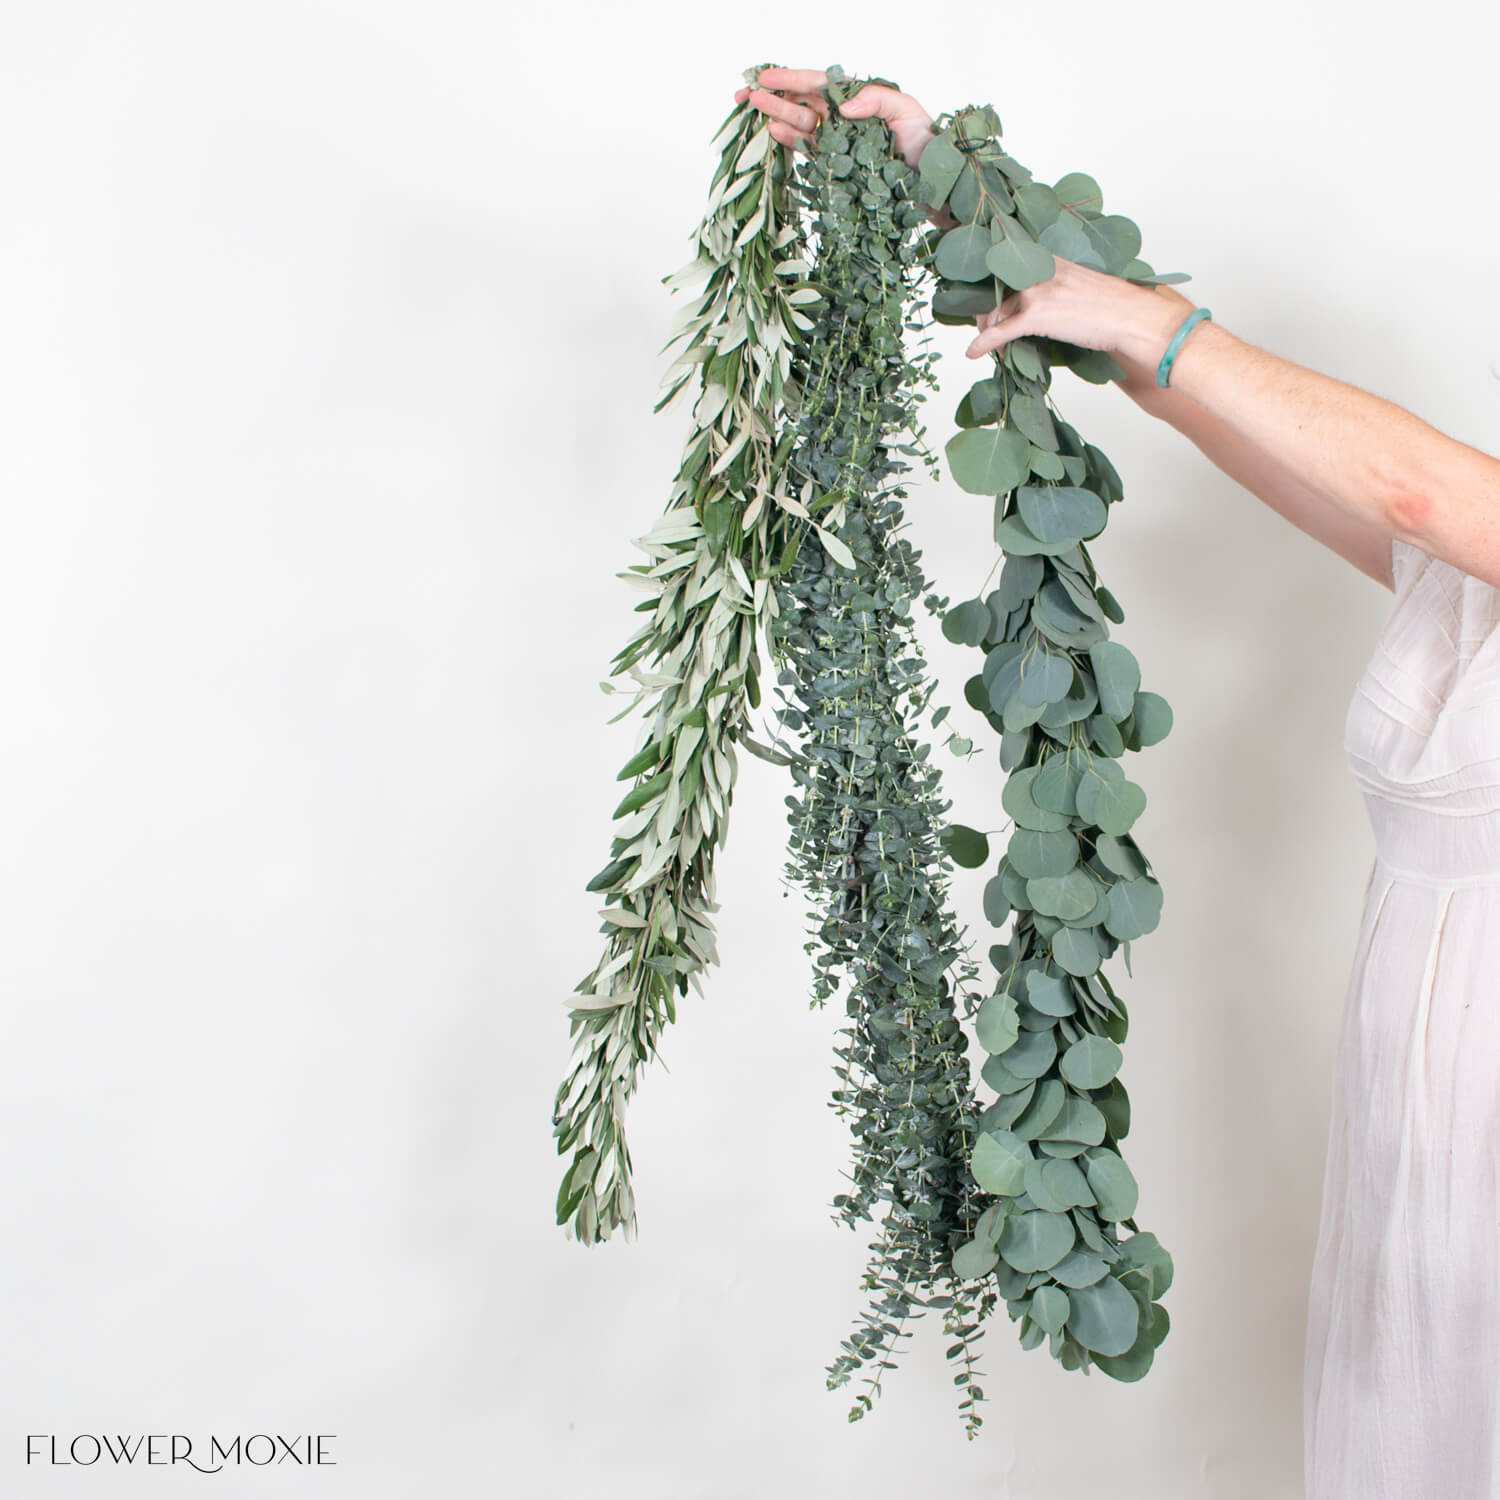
795	116
1080	305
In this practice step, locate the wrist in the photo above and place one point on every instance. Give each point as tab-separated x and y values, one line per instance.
1147	325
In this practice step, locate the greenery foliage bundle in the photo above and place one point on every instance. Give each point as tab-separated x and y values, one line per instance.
866	824
784	521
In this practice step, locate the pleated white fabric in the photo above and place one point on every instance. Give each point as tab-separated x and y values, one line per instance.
1401	1390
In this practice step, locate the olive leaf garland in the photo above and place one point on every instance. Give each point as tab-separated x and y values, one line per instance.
1067	702
865	828
708	589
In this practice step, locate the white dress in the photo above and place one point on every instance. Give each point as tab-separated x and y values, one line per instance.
1401	1391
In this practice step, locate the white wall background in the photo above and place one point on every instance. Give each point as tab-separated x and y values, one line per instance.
329	348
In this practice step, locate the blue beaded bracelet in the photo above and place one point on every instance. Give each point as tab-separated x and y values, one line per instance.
1163	370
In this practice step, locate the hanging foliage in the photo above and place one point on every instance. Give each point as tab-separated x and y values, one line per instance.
866	824
785	520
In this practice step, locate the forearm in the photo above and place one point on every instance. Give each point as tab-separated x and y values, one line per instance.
1349	447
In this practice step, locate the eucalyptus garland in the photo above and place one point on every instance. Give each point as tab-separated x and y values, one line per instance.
783	518
866	825
1067	703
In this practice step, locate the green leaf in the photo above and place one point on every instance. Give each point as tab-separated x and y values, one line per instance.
1061	513
1045	675
1032	1054
1104	1318
1090	1062
640	795
1110	605
967	846
1050	994
1079	1120
1012	533
1116	238
963	302
1056	786
1153	717
938	168
1034	852
1110	806
1134	908
996	1022
1016	799
1120	856
996	907
1037	1241
1017	259
1036	205
999	1163
1043	1108
1020	578
961	253
974	1259
1076	951
1065	1183
647	756
967	623
1117	674
989	460
1079	1269
1079	192
1045	465
1030	414
1114	1186
1063	896
1050	1307
1064	236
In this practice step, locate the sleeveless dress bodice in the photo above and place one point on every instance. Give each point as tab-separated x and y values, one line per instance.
1401	1392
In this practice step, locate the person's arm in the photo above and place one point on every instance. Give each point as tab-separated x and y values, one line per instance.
1376	463
1355	538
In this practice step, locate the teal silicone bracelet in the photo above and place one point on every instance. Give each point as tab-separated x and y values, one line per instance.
1163	370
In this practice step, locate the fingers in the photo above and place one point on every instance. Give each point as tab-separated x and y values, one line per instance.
795	80
790	119
999	326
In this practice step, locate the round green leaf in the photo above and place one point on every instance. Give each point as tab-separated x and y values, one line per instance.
1061	512
1077	190
1065	1183
961	253
1111	806
1075	949
996	1022
1114	1185
1153	718
1055	788
996	907
1038	1240
974	1259
1134	908
1050	1308
1067	896
989	460
1016	799
1104	1317
1090	1062
1032	1054
1046	676
967	623
1117	675
1050	993
1046	465
1030	414
1034	852
1079	1269
938	167
967	846
1041	1110
1078	1120
999	1163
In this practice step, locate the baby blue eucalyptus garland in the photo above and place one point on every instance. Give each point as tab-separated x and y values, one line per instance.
867	819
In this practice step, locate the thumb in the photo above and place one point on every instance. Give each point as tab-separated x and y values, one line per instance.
872	99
